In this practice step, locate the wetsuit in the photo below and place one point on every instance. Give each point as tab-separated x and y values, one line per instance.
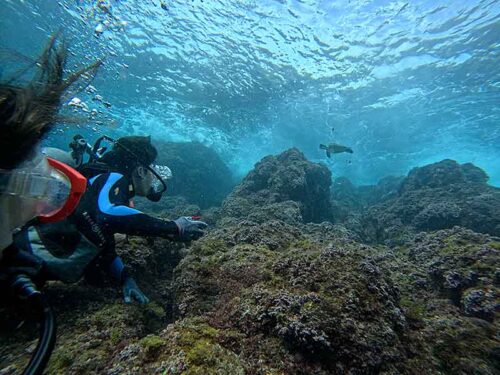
105	210
85	244
65	254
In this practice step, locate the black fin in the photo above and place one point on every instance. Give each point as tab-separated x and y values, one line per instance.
322	147
328	153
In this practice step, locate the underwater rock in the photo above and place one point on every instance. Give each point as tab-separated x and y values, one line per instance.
437	216
437	196
481	303
189	346
448	282
170	207
288	176
288	211
199	174
325	300
441	174
455	260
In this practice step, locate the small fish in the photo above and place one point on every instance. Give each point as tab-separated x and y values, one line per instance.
334	148
163	5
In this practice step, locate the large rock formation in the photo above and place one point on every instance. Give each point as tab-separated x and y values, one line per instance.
199	174
295	186
442	174
302	292
264	293
449	284
437	196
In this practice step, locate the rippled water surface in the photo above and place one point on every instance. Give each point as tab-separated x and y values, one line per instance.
403	83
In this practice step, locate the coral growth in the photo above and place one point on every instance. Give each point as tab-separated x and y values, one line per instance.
286	177
436	196
269	291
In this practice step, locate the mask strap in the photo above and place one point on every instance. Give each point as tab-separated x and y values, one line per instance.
146	166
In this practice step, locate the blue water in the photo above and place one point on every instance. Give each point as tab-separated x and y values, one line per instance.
404	83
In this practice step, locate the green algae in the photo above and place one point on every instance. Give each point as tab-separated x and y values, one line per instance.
414	309
209	247
465	346
193	345
151	345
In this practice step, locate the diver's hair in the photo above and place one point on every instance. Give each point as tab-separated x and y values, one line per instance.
130	152
28	113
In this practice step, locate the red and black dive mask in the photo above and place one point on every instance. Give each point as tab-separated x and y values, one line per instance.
45	188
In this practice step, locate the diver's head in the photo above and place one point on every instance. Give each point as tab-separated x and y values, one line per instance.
129	153
134	156
142	179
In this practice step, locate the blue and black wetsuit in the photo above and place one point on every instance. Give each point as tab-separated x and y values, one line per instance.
105	210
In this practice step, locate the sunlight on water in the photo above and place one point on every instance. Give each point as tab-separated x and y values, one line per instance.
403	83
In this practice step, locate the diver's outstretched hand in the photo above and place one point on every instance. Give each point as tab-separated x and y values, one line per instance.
190	228
132	292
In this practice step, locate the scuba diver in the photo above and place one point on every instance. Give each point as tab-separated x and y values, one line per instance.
105	209
34	188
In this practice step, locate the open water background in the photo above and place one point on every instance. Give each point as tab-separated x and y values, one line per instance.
404	83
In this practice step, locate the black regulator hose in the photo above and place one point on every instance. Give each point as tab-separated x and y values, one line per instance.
27	290
46	341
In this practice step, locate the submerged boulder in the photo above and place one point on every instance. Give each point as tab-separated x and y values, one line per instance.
280	180
449	285
199	174
437	196
302	300
441	174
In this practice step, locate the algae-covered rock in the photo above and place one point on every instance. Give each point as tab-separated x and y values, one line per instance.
288	176
328	301
199	174
188	347
449	292
169	207
89	344
456	260
437	196
444	173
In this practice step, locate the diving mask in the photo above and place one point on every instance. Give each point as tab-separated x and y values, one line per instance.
45	188
161	173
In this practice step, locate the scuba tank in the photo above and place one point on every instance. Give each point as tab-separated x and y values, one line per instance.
81	148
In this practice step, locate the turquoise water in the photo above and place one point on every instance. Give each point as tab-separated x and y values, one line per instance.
404	83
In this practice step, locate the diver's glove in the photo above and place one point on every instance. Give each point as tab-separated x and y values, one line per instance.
132	291
190	228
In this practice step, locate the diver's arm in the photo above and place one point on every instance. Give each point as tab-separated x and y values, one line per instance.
130	289
117	217
67	270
